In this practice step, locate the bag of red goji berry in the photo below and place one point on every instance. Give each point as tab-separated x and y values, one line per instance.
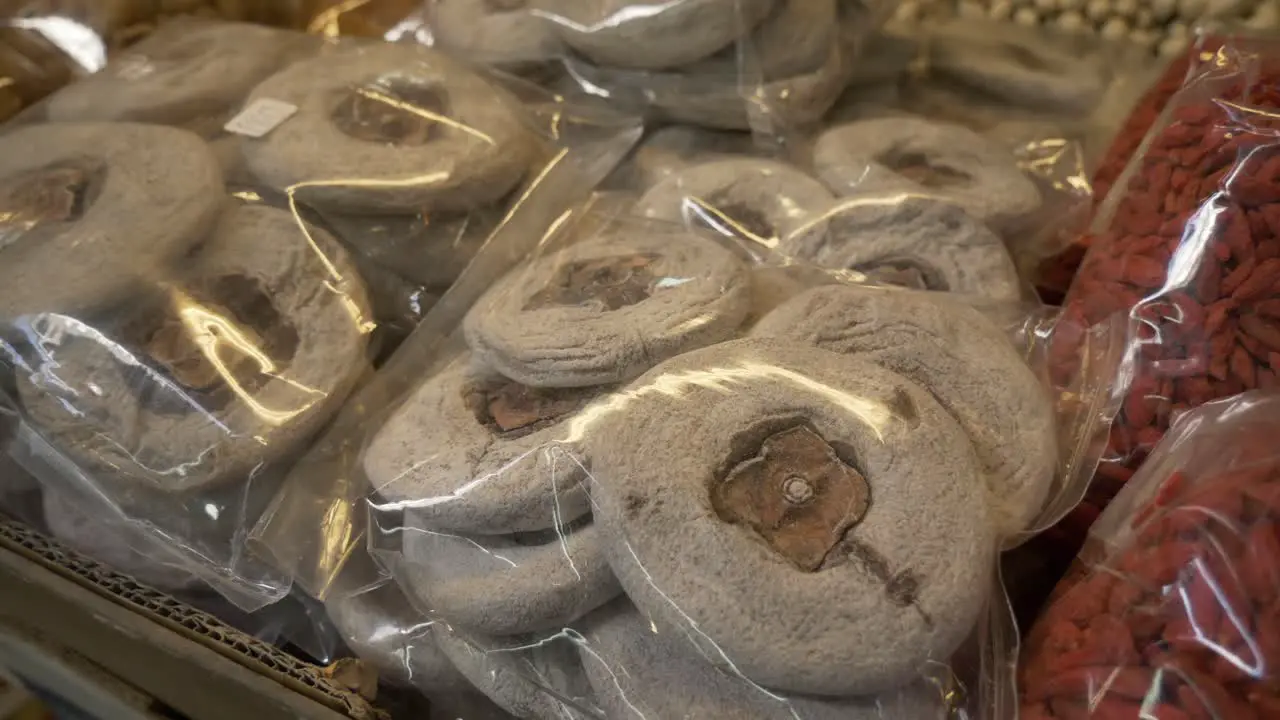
1173	610
1152	94
1187	248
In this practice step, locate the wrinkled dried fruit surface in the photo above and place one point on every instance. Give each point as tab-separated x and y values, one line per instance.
1192	256
1179	620
611	283
797	494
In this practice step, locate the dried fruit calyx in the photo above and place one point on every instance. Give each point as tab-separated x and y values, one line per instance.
917	168
905	272
511	409
797	494
612	283
396	112
61	192
216	335
727	217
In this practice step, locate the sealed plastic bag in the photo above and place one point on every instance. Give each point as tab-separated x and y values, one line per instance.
642	430
80	524
767	65
1007	72
1170	611
411	196
899	201
1055	98
199	243
1185	249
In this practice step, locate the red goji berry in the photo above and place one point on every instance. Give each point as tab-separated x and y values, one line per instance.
1236	277
1262	330
1243	368
1263	279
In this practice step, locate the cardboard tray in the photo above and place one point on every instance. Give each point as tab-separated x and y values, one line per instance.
185	658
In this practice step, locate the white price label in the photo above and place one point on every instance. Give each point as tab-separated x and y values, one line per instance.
260	117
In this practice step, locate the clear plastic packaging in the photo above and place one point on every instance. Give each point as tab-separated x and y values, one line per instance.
1010	72
1131	123
1056	99
764	65
645	468
209	244
1184	251
77	521
382	629
1170	610
897	200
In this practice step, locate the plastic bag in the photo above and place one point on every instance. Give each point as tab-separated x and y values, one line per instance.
765	65
1183	250
77	523
665	151
1016	72
556	448
899	201
1152	92
1170	611
45	44
1056	99
168	363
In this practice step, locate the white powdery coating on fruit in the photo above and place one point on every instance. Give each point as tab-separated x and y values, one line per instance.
161	192
846	158
968	257
959	356
1022	67
502	37
701	296
498	586
384	630
787	198
476	157
451	473
642	670
178	86
656	452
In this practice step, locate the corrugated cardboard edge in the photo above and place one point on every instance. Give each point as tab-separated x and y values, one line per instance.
297	689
